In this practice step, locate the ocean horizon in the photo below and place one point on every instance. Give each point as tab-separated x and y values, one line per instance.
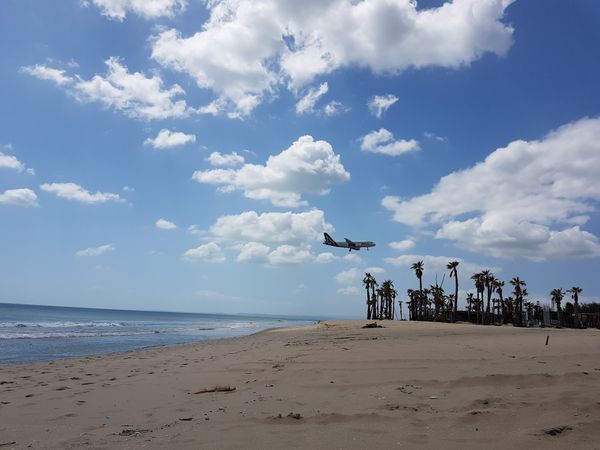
34	333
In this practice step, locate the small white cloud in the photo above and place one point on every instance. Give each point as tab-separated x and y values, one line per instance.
381	103
326	257
11	162
255	252
148	9
48	73
334	108
347	276
128	189
383	141
225	159
435	264
350	291
353	258
375	270
18	197
401	246
306	104
167	139
433	136
163	224
96	251
210	252
72	191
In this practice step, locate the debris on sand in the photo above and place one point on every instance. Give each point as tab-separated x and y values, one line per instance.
372	325
133	432
555	431
216	389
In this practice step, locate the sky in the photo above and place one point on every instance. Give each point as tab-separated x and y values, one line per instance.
187	155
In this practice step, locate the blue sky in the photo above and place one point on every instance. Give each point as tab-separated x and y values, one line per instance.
183	155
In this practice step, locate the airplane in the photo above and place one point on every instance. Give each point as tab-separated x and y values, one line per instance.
350	245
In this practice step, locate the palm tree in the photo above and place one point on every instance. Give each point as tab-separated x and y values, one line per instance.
488	281
418	268
519	293
451	266
367	280
498	285
479	287
557	296
575	291
470	301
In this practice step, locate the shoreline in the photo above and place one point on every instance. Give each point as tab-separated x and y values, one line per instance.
325	385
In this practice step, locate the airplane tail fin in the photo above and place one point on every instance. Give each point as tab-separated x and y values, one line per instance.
329	240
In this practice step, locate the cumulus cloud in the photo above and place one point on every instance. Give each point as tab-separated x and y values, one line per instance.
274	238
96	251
163	224
132	94
334	107
381	103
19	197
210	252
383	141
529	199
306	167
306	104
403	245
148	9
434	264
167	139
72	191
272	227
247	49
225	159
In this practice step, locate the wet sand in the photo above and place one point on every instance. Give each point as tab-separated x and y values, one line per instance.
333	385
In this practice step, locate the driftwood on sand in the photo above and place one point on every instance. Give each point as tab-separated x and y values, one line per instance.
216	389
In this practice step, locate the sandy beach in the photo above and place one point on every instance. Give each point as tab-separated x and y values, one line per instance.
332	385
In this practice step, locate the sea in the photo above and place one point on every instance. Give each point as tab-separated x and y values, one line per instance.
31	333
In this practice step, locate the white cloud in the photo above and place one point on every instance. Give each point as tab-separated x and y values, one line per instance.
167	139
19	197
48	73
133	94
149	9
256	252
348	276
128	189
350	291
306	104
334	107
11	162
382	141
210	252
353	258
247	49
325	258
381	103
274	238
528	199
272	228
96	251
437	264
430	135
307	166
403	245
375	270
72	191
163	224
225	159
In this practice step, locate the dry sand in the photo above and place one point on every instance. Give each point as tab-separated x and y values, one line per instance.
329	386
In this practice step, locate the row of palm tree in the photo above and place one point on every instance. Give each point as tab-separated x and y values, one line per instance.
380	301
487	306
